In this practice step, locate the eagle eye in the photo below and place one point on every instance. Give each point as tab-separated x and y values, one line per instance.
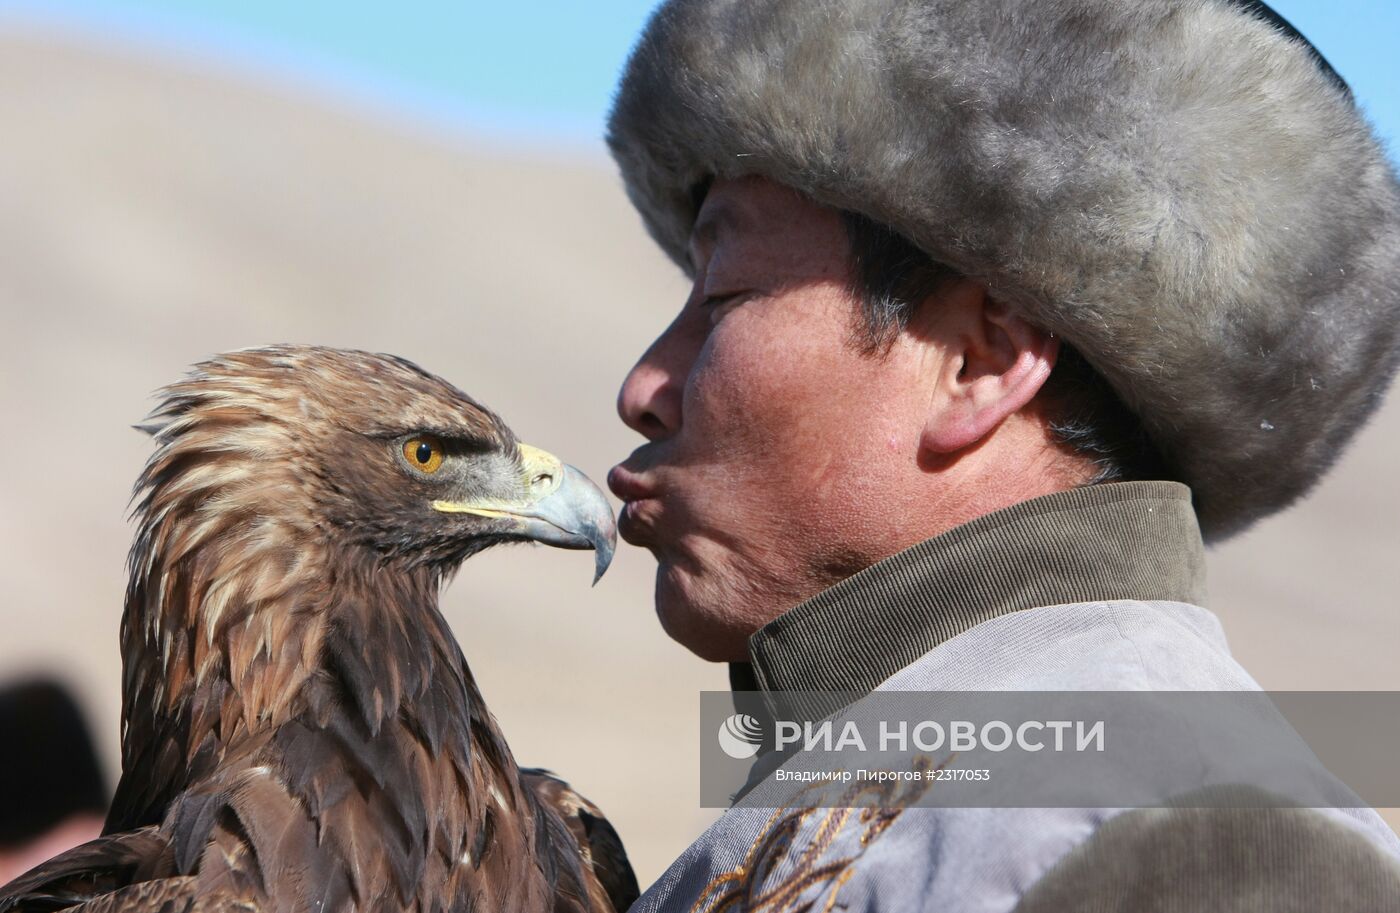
424	453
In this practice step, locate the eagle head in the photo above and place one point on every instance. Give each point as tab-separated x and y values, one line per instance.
352	450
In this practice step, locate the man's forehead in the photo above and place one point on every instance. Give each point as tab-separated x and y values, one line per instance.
736	205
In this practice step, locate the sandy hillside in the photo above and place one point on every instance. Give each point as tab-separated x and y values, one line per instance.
151	214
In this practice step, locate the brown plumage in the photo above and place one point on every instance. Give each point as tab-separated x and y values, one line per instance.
300	730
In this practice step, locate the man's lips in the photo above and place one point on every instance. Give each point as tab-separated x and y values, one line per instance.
629	485
635	522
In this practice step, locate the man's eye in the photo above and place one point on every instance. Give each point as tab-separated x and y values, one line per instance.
716	306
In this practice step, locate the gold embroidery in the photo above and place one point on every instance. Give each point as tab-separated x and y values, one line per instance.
757	885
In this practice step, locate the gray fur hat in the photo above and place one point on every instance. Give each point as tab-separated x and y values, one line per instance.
1177	187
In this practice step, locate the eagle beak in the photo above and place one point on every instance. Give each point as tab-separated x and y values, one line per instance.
560	507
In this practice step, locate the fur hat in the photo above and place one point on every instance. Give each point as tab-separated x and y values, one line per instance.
1179	188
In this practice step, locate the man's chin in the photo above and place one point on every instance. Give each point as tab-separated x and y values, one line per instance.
705	630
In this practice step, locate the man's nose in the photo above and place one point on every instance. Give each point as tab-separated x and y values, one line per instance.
650	399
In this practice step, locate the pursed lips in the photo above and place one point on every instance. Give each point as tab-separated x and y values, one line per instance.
639	497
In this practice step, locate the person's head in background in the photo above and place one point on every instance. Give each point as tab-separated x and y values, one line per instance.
53	795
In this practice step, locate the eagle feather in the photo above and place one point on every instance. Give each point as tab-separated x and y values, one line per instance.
300	728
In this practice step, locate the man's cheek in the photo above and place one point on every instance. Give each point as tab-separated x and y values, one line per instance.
724	402
747	391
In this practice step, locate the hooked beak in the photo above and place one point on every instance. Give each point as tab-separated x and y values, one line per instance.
560	507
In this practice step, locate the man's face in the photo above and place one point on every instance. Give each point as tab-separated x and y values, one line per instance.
777	450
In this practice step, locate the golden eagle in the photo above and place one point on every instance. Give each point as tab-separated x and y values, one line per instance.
300	731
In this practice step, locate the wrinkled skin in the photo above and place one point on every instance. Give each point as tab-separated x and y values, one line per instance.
781	455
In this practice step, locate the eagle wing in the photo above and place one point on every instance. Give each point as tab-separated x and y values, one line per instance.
201	859
91	872
613	885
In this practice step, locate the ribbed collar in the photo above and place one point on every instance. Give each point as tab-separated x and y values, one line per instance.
1122	540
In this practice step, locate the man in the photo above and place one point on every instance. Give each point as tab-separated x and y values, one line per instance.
1000	307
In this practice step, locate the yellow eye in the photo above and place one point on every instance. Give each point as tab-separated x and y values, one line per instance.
423	452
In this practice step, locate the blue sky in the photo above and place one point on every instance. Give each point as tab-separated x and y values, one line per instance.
541	72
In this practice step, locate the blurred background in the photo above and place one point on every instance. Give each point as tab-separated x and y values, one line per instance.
429	179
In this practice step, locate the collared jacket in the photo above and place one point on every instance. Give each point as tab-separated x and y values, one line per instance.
1097	589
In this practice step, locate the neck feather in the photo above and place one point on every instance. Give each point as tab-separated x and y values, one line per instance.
231	632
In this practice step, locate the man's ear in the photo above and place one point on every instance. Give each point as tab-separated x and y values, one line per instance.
994	364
